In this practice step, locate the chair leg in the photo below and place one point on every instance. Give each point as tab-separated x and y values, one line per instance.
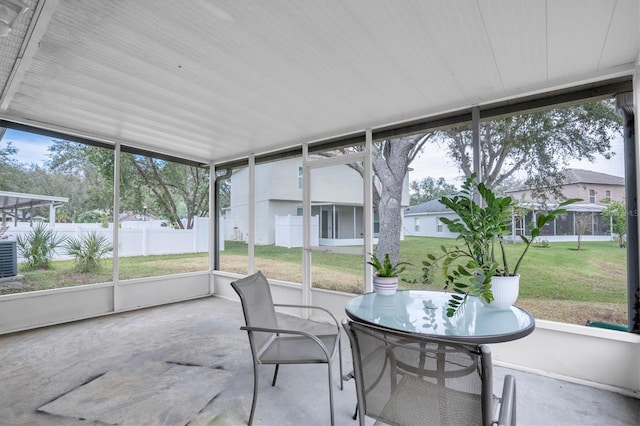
331	393
275	375
340	358
255	392
355	413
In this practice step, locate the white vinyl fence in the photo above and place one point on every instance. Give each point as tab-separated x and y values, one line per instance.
135	238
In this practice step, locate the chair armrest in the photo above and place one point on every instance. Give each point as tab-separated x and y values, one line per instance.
310	307
294	332
508	402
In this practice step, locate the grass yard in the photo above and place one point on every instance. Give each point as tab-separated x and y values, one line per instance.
557	282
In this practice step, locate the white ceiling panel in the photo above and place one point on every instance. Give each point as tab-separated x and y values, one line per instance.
577	44
518	34
623	36
213	80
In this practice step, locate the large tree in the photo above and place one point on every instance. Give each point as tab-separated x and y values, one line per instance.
170	190
539	144
390	160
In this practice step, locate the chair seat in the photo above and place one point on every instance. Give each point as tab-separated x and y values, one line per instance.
418	402
298	350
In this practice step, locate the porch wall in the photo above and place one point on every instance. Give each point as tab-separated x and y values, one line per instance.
23	311
596	357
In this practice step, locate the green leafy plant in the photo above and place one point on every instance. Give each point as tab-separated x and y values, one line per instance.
88	251
38	246
385	268
467	268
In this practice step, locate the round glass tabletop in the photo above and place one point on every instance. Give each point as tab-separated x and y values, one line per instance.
425	312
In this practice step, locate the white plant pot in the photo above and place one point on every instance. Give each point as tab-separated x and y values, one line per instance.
385	286
505	292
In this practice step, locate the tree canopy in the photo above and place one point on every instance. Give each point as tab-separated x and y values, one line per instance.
170	190
427	189
538	144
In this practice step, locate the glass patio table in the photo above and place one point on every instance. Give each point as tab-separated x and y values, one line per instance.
425	313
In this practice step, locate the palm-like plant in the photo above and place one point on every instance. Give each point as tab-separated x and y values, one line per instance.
38	246
385	268
88	251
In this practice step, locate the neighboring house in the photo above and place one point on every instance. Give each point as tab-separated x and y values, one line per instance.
583	219
423	220
592	187
336	201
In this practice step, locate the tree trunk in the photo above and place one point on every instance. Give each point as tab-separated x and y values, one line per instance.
391	160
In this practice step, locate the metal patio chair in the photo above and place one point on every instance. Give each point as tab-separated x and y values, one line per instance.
405	379
271	344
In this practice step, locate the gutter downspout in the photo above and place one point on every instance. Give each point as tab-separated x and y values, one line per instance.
624	102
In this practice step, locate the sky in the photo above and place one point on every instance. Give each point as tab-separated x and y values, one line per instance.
31	148
431	162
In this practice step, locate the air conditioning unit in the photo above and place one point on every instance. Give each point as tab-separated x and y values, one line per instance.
8	259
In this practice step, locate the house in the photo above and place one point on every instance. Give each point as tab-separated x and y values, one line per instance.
336	202
584	219
423	220
592	187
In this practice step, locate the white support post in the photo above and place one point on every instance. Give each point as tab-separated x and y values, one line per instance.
213	232
368	210
306	229
252	213
116	227
477	152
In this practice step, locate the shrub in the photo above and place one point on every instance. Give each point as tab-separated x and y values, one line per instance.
38	246
88	251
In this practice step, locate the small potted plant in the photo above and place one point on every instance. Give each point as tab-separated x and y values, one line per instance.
475	267
385	279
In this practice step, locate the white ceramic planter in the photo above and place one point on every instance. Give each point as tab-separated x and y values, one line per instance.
385	286
505	292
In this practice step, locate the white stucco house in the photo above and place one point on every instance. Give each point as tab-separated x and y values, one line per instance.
336	203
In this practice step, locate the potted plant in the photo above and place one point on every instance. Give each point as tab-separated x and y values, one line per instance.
475	267
385	279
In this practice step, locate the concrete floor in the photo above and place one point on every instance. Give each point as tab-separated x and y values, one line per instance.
188	363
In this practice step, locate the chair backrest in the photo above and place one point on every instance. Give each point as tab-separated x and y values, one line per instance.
257	305
406	379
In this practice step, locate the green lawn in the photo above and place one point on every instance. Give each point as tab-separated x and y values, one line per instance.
596	273
557	282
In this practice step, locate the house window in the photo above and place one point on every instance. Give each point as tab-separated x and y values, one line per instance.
607	194
438	225
416	224
592	196
299	211
300	181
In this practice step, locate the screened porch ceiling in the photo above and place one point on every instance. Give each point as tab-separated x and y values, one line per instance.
215	80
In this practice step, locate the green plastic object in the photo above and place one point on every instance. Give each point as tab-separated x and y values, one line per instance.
607	325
